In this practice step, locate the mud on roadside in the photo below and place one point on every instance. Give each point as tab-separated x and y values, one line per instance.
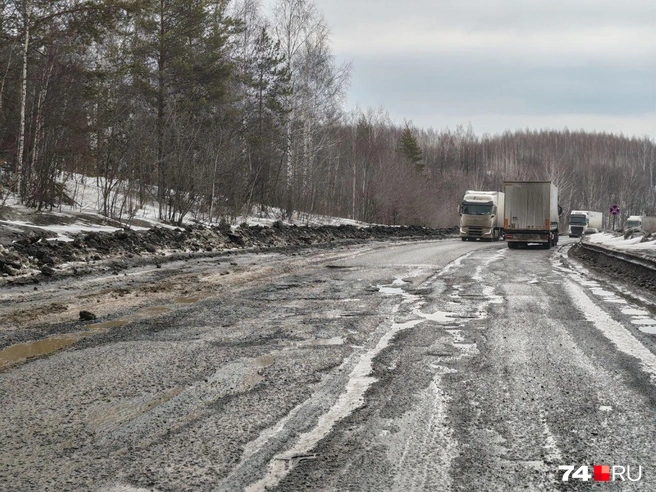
37	256
631	274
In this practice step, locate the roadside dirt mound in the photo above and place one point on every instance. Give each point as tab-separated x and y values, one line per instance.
633	274
37	256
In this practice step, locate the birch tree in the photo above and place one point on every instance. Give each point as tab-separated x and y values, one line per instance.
40	26
317	90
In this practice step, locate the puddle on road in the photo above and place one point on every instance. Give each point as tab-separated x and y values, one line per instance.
186	300
391	290
22	351
102	327
387	290
157	309
265	361
253	379
439	316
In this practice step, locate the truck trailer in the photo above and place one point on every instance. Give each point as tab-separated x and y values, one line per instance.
584	222
649	224
531	213
481	215
646	223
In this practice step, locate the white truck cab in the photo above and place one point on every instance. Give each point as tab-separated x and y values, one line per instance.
584	222
633	222
481	215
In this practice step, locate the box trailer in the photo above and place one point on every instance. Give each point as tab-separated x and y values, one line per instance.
531	213
648	224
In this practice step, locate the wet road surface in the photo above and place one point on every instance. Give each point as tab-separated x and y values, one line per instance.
433	365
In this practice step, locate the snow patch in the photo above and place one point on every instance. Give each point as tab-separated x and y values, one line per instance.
614	331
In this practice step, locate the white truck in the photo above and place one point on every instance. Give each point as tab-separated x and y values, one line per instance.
584	222
531	213
633	222
646	223
481	215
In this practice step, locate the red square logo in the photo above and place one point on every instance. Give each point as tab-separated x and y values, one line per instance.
601	473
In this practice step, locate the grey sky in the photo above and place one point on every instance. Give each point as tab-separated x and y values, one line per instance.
510	64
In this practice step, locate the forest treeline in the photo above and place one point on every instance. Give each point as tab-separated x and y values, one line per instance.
211	109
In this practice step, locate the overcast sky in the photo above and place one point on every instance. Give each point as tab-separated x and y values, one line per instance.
501	64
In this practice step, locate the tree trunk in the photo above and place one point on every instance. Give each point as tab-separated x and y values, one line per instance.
23	103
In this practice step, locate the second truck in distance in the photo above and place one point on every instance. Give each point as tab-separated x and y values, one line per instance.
584	222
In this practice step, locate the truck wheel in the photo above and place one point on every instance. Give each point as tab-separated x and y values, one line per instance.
464	239
513	245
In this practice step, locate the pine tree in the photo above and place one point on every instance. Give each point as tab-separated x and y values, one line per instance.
411	150
181	65
267	82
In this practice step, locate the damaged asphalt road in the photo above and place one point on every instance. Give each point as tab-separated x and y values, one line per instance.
413	365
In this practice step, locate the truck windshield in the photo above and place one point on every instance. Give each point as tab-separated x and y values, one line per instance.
476	209
632	223
578	219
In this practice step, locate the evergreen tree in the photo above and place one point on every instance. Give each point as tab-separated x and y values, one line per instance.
411	150
267	80
182	66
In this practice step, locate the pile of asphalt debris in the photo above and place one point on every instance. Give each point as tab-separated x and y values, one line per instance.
38	256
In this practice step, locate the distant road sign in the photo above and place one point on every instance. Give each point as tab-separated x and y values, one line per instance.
614	210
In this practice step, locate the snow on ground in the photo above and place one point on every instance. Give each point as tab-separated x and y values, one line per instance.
299	218
85	216
610	240
62	231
